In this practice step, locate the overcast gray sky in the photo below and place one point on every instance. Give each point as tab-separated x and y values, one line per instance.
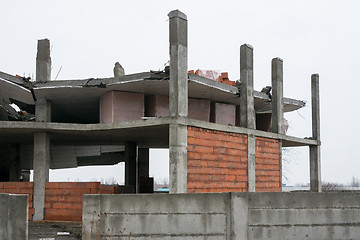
88	37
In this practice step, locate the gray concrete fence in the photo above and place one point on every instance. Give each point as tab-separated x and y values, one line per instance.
13	216
217	216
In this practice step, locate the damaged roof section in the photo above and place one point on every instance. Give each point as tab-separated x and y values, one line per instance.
77	101
16	90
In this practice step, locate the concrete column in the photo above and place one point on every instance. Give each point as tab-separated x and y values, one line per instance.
143	160
43	61
251	162
277	95
315	169
178	101
41	172
131	165
41	139
247	112
43	110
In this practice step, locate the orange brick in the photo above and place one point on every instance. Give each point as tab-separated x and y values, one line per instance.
9	185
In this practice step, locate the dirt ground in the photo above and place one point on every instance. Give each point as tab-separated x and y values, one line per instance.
45	230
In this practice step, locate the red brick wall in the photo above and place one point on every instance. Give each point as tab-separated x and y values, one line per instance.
217	161
63	200
267	165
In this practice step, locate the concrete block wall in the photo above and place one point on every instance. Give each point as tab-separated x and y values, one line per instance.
13	216
267	165
217	162
222	216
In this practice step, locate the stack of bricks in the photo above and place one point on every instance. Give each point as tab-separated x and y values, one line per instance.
224	78
217	161
63	200
267	165
19	188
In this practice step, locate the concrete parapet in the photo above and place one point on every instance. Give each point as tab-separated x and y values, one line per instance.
223	216
13	216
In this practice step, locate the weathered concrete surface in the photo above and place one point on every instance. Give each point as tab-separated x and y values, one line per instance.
49	230
41	172
223	216
178	101
315	159
175	216
43	61
277	95
13	216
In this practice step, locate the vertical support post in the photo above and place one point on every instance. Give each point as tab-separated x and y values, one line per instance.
143	170
43	61
247	112
277	102
131	165
41	139
251	146
315	169
277	95
41	172
178	101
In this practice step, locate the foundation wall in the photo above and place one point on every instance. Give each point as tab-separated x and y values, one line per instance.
222	216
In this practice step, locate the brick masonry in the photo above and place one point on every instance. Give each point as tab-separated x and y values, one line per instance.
217	162
63	200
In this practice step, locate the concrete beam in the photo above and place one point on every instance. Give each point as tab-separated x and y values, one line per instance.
277	95
43	61
247	112
41	172
178	101
315	169
131	165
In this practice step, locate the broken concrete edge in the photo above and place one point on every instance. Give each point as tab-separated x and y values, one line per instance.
177	14
51	127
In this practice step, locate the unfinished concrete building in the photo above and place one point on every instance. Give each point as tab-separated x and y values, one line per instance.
221	137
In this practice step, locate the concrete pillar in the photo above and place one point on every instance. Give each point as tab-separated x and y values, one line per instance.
315	169
277	95
251	146
41	139
247	112
43	110
178	101
43	61
131	172
41	172
143	161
